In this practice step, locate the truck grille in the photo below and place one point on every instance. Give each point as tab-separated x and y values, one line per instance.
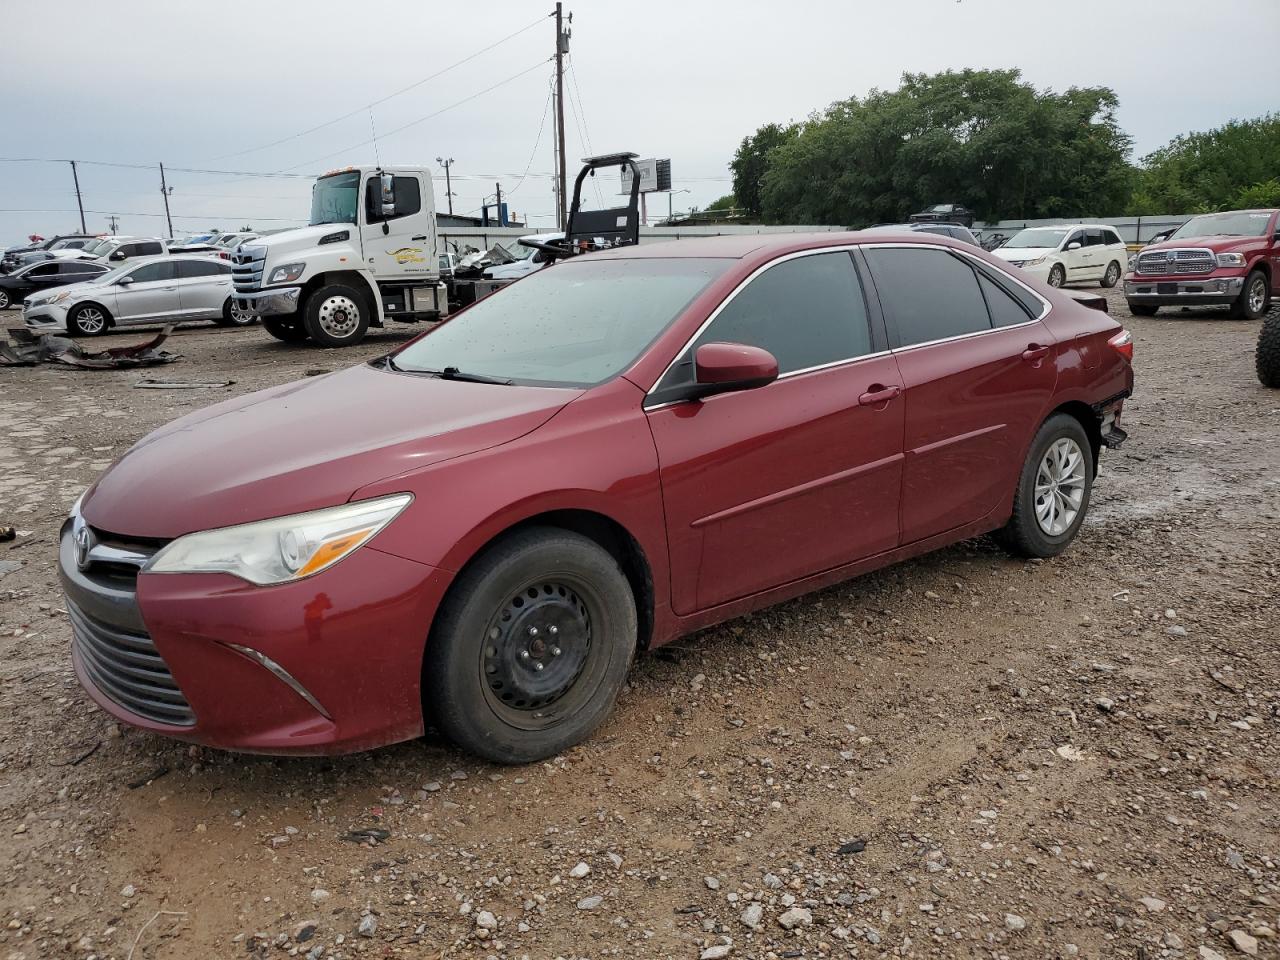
1180	262
127	669
246	268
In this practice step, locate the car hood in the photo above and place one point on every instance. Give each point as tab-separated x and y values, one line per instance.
1217	244
1022	253
303	446
303	238
72	291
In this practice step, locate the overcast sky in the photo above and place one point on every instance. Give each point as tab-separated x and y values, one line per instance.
205	85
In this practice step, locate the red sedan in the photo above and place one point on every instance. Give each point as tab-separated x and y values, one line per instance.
481	529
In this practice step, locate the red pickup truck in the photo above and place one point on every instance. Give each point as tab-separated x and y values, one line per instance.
1218	258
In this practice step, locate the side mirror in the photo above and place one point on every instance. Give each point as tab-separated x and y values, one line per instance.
388	191
124	281
726	367
116	255
1073	245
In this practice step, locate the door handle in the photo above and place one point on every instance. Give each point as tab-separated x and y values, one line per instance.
419	237
1035	353
879	394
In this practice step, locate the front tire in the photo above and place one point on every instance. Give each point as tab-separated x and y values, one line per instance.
233	316
530	647
1057	275
287	331
88	320
1254	298
1267	356
336	315
1112	276
1143	309
1053	490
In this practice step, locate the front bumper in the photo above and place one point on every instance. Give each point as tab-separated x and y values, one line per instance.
331	664
45	317
1199	291
272	302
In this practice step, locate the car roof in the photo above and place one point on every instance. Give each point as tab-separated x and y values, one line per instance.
740	246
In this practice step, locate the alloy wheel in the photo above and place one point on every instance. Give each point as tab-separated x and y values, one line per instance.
1257	295
240	317
1056	277
1059	490
1113	274
91	320
4	299
339	316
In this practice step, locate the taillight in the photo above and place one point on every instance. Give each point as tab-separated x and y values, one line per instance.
1122	343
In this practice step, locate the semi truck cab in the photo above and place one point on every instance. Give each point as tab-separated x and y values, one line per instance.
369	254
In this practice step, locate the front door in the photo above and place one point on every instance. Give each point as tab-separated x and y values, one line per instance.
978	370
763	487
402	245
1078	260
151	293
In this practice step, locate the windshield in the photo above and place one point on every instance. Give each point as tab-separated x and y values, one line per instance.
333	199
576	324
1038	237
1244	224
95	245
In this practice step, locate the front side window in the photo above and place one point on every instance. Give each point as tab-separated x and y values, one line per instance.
151	272
408	198
1077	237
191	269
573	325
927	294
44	270
807	312
334	199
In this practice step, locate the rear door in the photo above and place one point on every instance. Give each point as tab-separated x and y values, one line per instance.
203	287
151	294
978	371
766	486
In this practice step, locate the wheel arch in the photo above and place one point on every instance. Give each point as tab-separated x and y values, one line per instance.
106	311
353	278
1082	412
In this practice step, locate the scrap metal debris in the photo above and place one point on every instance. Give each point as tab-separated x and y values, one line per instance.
149	384
26	349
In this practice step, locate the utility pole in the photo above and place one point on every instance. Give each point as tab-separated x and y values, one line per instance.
448	182
562	47
164	192
112	221
79	203
498	187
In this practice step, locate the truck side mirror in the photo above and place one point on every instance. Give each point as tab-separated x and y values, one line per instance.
388	190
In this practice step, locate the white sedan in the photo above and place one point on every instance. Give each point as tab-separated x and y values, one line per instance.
1068	254
156	290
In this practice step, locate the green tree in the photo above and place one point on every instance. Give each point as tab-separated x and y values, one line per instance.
727	202
983	138
751	161
1230	166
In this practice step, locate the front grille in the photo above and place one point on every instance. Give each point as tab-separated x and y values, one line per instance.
127	669
246	268
1176	262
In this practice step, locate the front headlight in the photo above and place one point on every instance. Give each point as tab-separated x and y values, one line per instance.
288	273
1037	261
58	297
283	549
1133	262
1231	259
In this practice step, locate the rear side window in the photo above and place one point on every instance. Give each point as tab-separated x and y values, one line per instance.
927	294
74	269
149	249
1093	238
189	269
1110	237
807	312
147	273
1004	309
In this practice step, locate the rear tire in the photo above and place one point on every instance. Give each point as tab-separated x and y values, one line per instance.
233	316
1254	299
1142	309
88	320
1267	357
288	331
5	301
1053	490
530	647
336	315
1112	276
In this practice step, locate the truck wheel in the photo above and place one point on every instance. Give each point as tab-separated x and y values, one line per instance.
1143	309
1053	490
336	316
289	331
88	320
1253	299
1267	357
1112	276
233	316
530	647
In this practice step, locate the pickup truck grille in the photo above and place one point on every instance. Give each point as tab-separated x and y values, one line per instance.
1166	262
246	268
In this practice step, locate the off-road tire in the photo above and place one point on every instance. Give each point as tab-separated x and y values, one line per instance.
1022	535
1267	355
1242	309
1143	309
1059	271
480	637
1111	277
288	331
233	318
328	318
79	317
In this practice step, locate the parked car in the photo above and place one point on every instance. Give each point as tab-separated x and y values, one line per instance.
199	240
1071	253
1217	258
10	260
39	277
941	229
90	250
122	250
945	212
600	458
527	259
154	290
227	243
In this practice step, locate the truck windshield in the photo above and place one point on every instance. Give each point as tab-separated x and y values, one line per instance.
573	325
1042	237
333	199
1243	224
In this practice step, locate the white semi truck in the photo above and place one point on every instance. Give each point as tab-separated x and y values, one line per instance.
368	255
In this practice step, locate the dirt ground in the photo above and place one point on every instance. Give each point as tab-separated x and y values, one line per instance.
962	756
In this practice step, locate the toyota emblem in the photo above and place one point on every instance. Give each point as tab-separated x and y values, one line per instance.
82	540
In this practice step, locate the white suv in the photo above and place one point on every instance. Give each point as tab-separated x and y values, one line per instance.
1068	254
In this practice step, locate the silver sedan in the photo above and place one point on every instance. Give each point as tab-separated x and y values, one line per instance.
156	290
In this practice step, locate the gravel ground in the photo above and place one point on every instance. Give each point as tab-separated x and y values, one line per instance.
962	756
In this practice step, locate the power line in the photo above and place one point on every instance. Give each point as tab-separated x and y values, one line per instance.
381	100
580	122
537	141
193	216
